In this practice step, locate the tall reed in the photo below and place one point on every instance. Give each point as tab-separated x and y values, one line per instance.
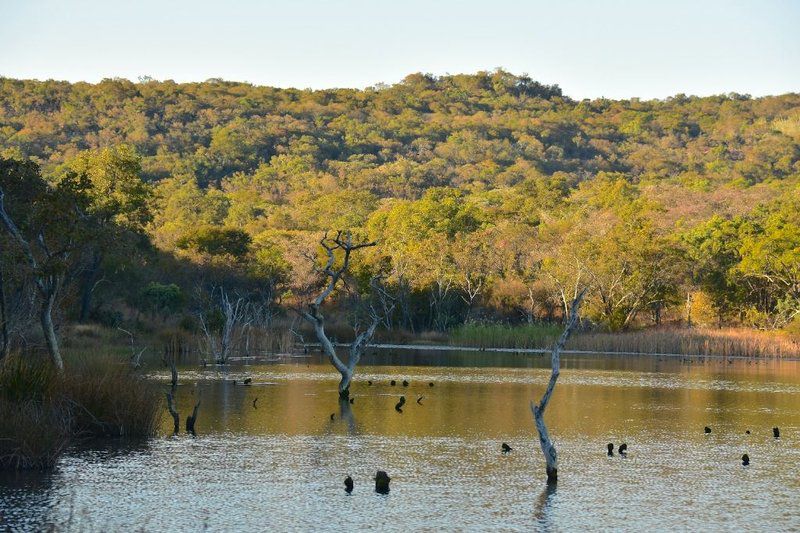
42	412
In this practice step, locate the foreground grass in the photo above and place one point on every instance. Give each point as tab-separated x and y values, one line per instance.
42	412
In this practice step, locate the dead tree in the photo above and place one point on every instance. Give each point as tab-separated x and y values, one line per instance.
343	243
192	419
233	312
48	281
548	448
176	419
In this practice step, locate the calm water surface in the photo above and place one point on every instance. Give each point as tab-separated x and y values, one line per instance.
279	465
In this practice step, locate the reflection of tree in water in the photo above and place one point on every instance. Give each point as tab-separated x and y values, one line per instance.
543	510
346	414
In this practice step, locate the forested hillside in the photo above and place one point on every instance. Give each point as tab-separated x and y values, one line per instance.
492	198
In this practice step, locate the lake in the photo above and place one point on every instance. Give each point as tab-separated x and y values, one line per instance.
279	463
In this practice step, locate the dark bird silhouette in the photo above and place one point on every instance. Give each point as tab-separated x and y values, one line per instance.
747	432
623	449
430	384
254	403
505	447
352	400
393	383
399	406
369	382
405	383
247	381
611	449
333	415
419	400
776	432
745	460
348	484
382	480
707	430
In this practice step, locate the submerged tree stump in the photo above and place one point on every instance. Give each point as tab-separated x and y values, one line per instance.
176	419
382	480
190	420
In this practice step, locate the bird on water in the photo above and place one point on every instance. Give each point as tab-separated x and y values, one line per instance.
610	449
399	406
745	460
506	448
348	484
707	430
623	449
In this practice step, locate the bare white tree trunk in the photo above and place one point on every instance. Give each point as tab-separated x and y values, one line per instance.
548	448
344	242
234	313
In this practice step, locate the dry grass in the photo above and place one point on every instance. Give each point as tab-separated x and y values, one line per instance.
111	401
726	342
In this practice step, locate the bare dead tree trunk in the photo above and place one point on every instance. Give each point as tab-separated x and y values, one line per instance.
176	418
548	448
234	312
343	242
192	419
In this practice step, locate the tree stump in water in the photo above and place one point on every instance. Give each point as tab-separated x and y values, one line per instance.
190	420
382	480
176	419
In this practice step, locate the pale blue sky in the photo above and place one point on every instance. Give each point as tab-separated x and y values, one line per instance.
612	48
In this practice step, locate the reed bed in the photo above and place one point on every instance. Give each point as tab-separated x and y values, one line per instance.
42	411
713	342
504	336
727	342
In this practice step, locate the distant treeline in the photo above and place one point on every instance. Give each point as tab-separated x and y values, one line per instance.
492	197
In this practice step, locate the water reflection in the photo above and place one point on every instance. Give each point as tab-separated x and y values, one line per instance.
268	455
543	510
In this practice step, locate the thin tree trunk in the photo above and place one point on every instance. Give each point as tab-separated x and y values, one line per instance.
548	448
176	419
4	341
50	339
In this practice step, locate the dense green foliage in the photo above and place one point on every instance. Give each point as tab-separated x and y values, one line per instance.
492	196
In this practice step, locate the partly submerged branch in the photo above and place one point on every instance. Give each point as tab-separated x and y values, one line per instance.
548	448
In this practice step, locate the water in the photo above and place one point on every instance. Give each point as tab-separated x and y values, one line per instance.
281	464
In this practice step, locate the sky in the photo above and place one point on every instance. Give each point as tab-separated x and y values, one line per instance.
601	48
